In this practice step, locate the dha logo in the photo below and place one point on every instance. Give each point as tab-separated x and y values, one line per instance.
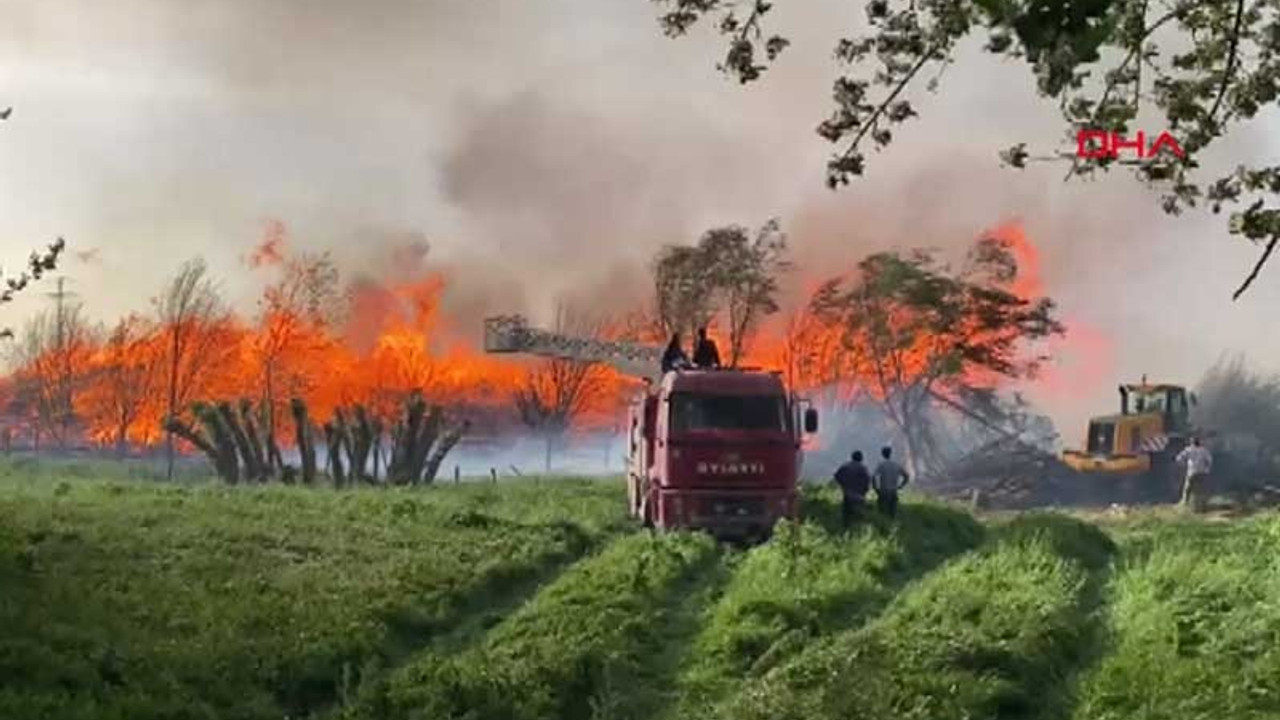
1103	144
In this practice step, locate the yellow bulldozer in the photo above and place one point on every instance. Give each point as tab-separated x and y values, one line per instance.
1131	455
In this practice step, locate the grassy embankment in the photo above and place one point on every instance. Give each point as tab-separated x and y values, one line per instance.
534	602
135	601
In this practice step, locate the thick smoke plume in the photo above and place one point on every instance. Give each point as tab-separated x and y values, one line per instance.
1234	400
536	153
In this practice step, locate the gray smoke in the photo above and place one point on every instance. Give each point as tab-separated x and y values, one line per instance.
543	151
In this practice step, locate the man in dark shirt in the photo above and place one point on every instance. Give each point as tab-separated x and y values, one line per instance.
705	353
673	358
854	482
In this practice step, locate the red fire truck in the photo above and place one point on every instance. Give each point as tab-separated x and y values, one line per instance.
718	450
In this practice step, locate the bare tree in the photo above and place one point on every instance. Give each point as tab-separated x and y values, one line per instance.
34	368
53	359
125	380
188	308
558	391
297	314
72	348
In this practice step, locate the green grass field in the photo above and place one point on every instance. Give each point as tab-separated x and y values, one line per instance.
532	601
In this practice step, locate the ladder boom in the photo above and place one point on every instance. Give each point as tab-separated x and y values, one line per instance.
512	334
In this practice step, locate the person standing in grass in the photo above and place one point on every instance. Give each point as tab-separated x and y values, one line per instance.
888	479
854	482
1199	464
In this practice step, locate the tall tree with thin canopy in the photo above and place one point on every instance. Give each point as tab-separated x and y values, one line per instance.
188	309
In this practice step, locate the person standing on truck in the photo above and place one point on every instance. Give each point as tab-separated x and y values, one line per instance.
673	358
705	353
854	482
888	479
1199	464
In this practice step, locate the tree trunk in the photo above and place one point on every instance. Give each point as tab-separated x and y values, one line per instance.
254	437
227	463
447	441
910	436
269	405
188	433
361	440
176	348
401	470
306	446
428	434
251	468
377	447
357	436
334	441
274	458
345	431
122	439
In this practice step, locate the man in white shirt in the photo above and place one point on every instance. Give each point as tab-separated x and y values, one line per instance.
888	478
1199	464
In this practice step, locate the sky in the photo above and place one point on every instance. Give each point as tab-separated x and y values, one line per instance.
543	151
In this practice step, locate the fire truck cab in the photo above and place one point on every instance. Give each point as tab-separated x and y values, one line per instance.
717	450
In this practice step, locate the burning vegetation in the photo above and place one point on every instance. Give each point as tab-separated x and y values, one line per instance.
372	382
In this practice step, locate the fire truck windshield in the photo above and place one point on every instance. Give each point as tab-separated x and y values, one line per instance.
728	412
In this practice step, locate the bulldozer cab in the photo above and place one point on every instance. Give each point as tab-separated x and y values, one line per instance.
1131	453
1168	401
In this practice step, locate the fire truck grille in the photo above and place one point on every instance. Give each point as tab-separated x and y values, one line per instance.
735	507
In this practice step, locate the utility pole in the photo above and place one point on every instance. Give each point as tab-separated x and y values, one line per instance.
65	378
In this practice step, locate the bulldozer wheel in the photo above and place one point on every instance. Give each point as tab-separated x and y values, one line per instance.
1106	488
1164	479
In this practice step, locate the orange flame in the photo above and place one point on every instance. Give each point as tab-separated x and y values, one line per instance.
395	339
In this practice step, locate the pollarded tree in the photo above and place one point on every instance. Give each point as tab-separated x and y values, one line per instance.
1205	65
559	390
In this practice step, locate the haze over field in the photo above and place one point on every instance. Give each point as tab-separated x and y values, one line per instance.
525	142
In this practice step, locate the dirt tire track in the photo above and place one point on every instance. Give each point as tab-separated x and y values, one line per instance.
485	607
924	537
1097	644
655	689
